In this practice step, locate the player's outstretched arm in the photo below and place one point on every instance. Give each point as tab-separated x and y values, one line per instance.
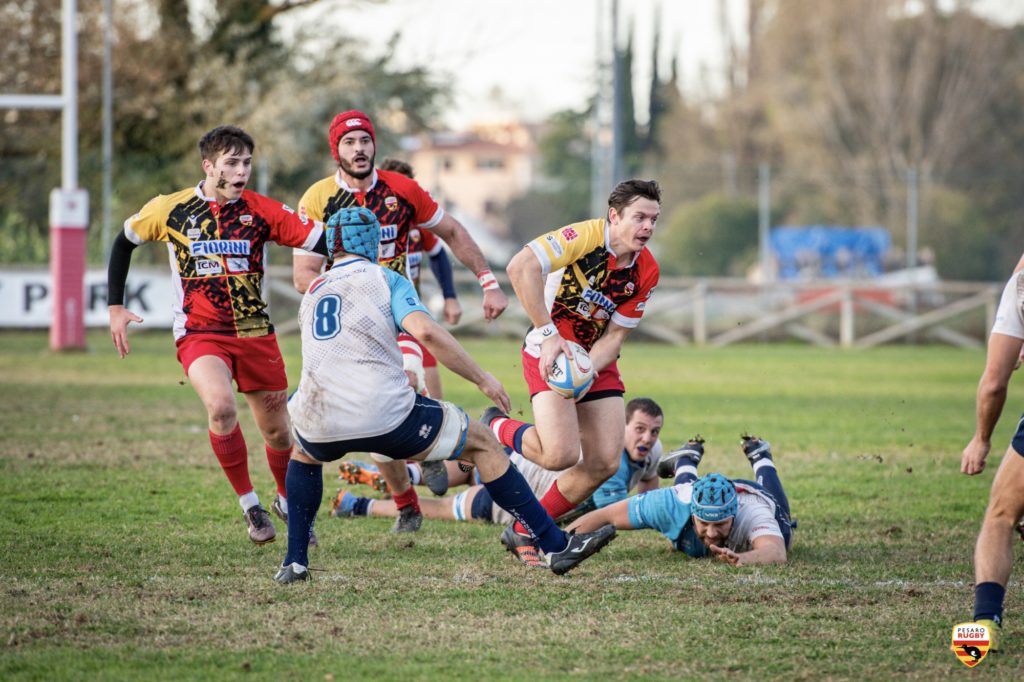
616	514
453	356
767	549
1003	352
469	254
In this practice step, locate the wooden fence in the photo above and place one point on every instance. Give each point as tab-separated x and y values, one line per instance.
719	311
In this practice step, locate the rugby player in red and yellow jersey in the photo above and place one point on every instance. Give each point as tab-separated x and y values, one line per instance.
217	235
400	204
588	282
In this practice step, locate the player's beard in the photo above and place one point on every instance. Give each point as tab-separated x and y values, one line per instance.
358	175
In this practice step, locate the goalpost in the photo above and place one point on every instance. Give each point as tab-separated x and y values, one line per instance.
69	205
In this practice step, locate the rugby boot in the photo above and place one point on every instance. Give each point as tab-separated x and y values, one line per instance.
756	449
292	573
408	521
692	452
358	473
261	528
581	546
435	476
523	547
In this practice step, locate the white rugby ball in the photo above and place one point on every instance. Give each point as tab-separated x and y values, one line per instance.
572	375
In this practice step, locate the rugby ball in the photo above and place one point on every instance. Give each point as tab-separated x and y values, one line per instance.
572	375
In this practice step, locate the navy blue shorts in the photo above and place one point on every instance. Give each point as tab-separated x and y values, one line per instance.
1018	438
414	435
482	507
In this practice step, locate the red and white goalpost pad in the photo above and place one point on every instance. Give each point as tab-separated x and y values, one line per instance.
69	220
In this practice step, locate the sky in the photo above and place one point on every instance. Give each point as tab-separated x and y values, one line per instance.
531	58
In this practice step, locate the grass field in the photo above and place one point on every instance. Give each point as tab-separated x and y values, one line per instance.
125	554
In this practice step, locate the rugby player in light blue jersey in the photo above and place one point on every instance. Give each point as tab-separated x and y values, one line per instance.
739	522
354	396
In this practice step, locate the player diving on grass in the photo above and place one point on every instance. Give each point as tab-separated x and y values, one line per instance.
589	283
638	465
354	396
738	522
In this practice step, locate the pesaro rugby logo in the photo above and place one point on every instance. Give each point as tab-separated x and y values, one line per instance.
970	643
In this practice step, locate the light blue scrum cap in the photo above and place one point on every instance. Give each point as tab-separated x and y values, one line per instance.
359	232
714	498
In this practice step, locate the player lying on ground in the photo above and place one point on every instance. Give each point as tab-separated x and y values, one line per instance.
739	522
637	469
354	396
217	233
993	553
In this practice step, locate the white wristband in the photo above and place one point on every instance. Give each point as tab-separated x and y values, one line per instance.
487	280
539	335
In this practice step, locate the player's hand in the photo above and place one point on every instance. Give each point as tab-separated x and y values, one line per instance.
452	310
495	302
549	350
973	460
493	389
119	319
725	555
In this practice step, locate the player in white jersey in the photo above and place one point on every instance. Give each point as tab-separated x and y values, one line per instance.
993	553
354	396
738	522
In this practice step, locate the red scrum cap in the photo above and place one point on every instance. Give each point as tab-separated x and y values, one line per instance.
346	122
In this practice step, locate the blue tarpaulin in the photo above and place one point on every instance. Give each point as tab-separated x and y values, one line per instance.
823	251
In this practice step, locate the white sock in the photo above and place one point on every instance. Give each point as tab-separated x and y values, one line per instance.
457	506
369	507
496	427
282	502
414	473
248	500
687	469
763	463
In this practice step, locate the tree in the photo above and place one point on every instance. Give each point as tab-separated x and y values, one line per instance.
713	236
173	81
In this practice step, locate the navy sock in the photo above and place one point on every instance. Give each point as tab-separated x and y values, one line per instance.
305	484
511	492
988	602
768	477
517	438
362	506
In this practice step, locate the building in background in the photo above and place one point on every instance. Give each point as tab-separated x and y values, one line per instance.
476	173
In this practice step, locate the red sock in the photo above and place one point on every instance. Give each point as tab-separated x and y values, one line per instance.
234	459
407	498
555	504
278	461
507	432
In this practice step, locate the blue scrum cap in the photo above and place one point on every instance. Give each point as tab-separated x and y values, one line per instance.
359	232
714	498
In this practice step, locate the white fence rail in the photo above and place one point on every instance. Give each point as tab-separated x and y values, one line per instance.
719	311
